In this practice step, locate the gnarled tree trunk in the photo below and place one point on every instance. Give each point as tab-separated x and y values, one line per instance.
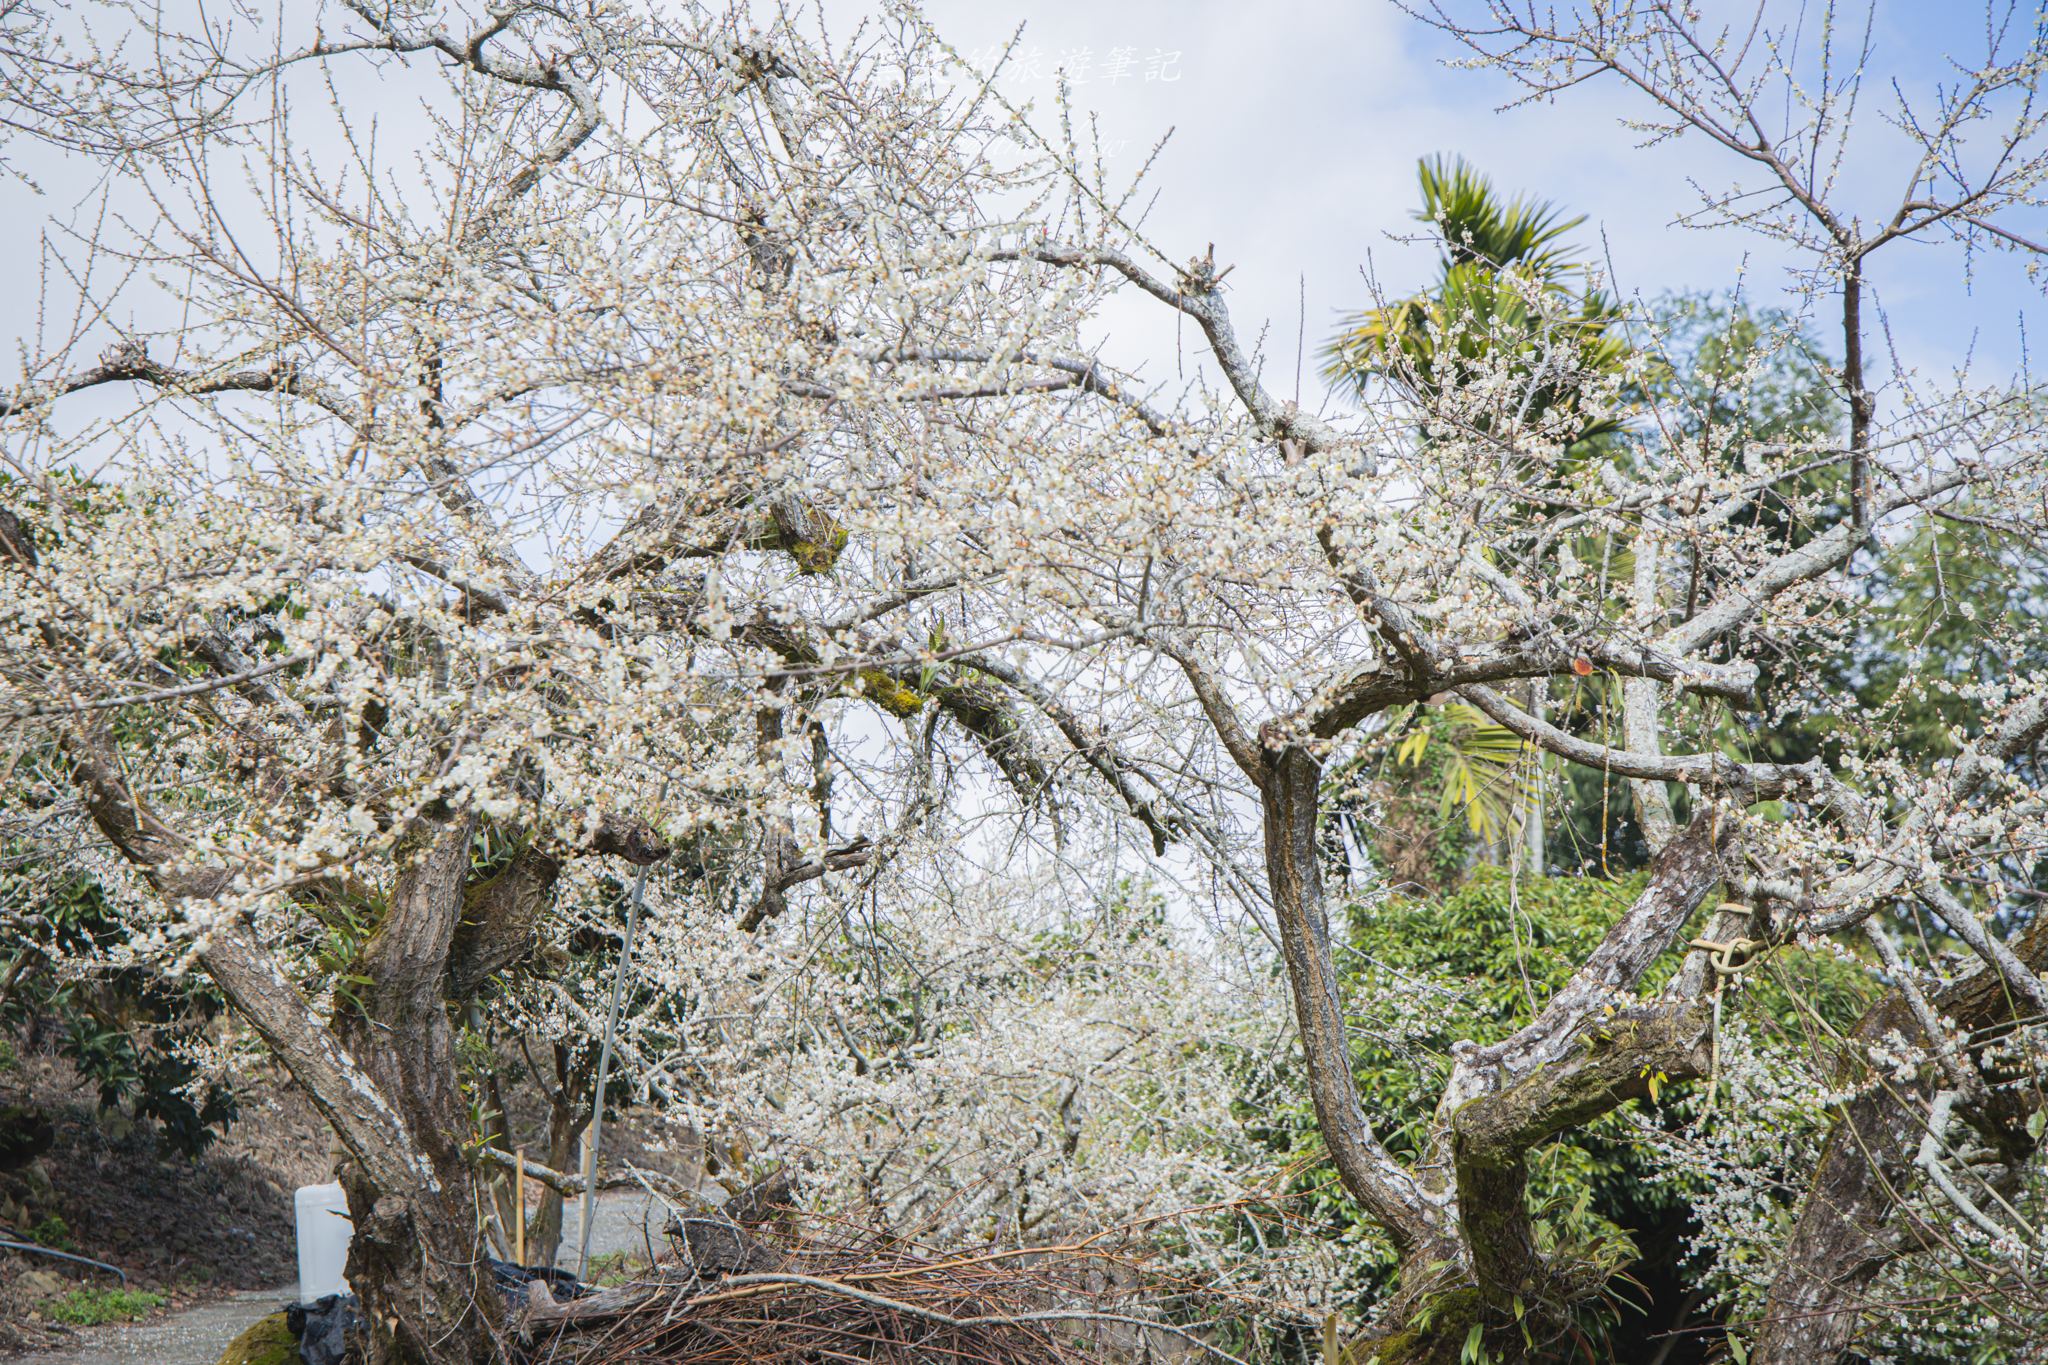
417	1261
384	1073
1459	1217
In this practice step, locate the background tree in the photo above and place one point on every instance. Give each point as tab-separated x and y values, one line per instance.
1510	286
1513	297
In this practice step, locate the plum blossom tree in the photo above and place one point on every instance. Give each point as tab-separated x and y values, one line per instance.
701	410
1307	574
493	504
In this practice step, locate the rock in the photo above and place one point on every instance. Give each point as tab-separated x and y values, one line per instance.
43	1284
40	1186
267	1341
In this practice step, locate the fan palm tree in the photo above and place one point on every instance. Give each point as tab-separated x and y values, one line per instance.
1509	281
1484	767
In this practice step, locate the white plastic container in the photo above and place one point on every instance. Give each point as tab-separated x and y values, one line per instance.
324	1232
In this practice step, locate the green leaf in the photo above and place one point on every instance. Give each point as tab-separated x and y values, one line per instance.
1412	748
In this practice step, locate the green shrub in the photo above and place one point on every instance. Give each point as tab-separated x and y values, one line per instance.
52	1232
124	1031
92	1307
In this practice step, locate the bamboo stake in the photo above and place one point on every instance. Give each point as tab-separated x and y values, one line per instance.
519	1209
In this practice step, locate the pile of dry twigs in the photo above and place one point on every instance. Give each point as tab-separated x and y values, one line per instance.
729	1293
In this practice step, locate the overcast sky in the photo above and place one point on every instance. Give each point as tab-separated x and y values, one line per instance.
1296	128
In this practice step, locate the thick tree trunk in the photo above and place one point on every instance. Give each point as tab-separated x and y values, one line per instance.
383	1075
417	1264
418	1259
1435	1305
1476	1265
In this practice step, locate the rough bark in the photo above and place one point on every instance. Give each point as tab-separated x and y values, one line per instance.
1591	1049
1289	795
1848	1229
1681	877
500	917
1623	1058
417	1259
384	1076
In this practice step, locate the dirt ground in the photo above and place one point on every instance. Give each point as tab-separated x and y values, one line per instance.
189	1230
195	1232
197	1333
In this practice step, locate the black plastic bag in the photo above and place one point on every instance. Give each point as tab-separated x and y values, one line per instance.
323	1327
512	1280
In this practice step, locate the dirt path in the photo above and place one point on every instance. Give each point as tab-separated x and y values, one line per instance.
198	1335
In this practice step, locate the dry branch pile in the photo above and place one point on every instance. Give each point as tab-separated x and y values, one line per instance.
728	1292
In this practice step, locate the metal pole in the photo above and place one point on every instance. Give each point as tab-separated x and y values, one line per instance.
65	1256
604	1071
1532	828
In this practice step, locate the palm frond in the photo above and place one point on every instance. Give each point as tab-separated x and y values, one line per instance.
1478	225
1485	769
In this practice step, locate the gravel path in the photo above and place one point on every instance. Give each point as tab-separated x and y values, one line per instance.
197	1336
